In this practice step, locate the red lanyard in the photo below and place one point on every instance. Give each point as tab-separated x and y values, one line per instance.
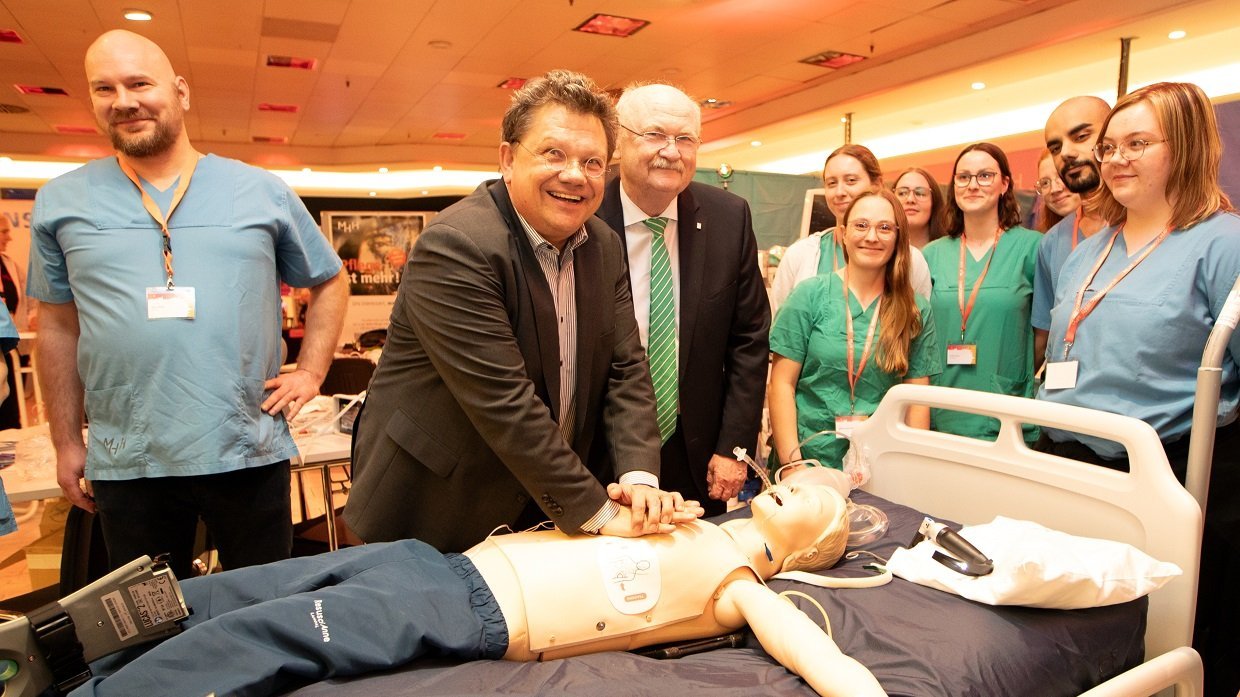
1076	226
153	208
1082	310
966	310
854	378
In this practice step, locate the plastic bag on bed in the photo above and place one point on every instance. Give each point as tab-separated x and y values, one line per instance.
1039	567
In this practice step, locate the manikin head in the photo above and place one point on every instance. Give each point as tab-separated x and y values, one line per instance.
804	524
138	100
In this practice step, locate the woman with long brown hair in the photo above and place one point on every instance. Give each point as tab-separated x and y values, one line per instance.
845	337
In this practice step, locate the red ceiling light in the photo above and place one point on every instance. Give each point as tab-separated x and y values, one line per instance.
833	60
512	83
269	139
449	136
10	36
36	89
612	25
281	108
291	62
83	130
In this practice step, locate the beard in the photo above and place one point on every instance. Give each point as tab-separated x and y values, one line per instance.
1082	182
159	140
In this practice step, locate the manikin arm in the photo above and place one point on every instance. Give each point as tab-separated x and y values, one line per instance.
791	638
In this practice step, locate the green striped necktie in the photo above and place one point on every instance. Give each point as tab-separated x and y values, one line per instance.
661	348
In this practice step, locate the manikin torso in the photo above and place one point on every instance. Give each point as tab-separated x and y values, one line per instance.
565	596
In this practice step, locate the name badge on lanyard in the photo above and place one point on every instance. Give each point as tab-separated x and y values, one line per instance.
845	423
1061	375
962	354
170	301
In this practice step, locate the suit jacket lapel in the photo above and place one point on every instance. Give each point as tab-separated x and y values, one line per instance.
546	333
594	293
691	246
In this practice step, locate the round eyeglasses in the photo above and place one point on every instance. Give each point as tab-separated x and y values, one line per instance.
1046	185
983	179
1129	150
557	160
913	192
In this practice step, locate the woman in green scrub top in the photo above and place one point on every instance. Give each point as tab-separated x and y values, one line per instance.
983	290
845	337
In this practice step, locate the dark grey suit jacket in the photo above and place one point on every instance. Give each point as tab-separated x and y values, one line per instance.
460	426
725	319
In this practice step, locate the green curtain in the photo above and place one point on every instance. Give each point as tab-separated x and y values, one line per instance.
775	199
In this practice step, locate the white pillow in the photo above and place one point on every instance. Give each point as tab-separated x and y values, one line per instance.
1039	567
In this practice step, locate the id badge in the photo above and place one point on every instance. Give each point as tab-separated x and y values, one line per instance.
170	303
845	424
1061	375
962	354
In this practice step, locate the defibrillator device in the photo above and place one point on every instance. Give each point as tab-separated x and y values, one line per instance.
52	646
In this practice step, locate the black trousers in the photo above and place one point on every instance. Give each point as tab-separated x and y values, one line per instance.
1216	634
247	512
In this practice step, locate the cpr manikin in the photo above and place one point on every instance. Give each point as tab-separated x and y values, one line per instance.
530	596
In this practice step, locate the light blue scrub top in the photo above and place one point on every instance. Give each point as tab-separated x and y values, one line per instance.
175	397
1140	348
1053	251
8	341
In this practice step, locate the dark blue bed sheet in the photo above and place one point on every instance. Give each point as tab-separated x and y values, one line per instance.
917	641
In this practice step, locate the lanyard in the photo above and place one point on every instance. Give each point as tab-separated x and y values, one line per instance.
829	242
153	208
966	310
1082	310
1076	226
854	378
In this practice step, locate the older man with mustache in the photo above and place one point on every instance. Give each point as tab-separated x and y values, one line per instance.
698	294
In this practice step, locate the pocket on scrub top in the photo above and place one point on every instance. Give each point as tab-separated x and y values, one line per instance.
117	431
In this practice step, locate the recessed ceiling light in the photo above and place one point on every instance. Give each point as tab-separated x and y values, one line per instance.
512	83
612	25
269	139
1177	34
40	89
425	192
373	193
978	85
75	129
291	62
712	103
138	15
832	60
10	36
439	44
281	108
756	143
437	168
843	119
307	170
383	170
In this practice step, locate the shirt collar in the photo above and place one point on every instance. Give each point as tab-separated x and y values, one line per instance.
536	240
633	214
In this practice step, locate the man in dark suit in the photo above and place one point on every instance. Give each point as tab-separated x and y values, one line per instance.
722	314
513	354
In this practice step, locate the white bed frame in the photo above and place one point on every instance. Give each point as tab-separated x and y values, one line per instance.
971	481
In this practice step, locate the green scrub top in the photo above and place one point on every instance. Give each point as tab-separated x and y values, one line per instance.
810	330
830	253
999	325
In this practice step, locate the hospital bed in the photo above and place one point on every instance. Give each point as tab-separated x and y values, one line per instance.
920	641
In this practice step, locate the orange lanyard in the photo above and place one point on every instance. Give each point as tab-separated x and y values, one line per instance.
153	208
966	310
1082	310
1076	226
854	378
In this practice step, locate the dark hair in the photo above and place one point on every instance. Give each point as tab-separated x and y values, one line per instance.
573	91
1009	209
1187	120
938	210
899	319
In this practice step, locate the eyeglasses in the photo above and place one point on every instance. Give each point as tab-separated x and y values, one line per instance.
1130	150
916	192
862	227
683	143
1046	185
983	179
558	161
